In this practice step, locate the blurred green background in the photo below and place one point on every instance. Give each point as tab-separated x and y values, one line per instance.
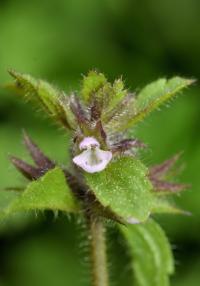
59	40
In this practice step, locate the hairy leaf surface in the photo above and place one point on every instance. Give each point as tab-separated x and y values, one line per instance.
151	253
91	84
150	98
50	98
50	192
166	205
123	187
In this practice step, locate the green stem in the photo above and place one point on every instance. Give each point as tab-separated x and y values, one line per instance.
98	252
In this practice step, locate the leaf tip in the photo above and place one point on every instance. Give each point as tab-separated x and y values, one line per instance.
13	72
133	220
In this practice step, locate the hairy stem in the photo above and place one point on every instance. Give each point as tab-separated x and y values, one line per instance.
98	252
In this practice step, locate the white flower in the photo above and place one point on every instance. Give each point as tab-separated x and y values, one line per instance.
92	159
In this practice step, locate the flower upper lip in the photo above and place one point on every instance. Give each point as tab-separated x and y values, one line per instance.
88	142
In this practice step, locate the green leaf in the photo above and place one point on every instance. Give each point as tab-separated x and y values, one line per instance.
50	192
55	103
15	221
6	198
152	259
113	96
123	187
166	205
119	92
157	93
150	98
95	86
92	84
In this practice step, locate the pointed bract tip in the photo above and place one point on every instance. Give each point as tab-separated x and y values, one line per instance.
26	169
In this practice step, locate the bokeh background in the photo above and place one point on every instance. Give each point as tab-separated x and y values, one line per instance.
59	40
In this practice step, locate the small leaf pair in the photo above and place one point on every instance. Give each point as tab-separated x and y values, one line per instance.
117	109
